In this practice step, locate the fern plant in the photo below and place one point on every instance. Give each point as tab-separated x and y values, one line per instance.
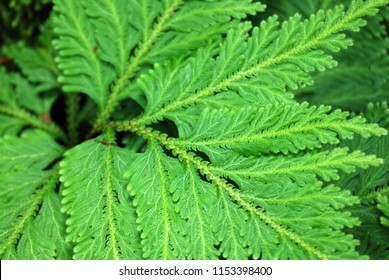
362	75
167	130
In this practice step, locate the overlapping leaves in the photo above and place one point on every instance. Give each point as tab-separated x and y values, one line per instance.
32	226
244	150
249	173
362	75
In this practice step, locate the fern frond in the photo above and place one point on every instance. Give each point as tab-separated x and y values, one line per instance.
291	206
13	93
57	229
247	223
287	58
18	98
151	180
33	150
195	15
373	236
86	73
192	204
302	169
101	220
10	126
106	36
305	8
273	128
237	206
364	183
171	36
175	29
37	64
204	152
30	227
24	118
13	203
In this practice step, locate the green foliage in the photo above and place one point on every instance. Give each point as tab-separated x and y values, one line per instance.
363	71
370	186
30	93
168	130
31	225
109	228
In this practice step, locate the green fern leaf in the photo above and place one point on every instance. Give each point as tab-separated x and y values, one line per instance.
230	214
34	149
87	73
12	92
287	58
364	182
203	151
10	126
274	128
116	37
152	175
192	204
101	220
26	231
233	174
29	232
303	169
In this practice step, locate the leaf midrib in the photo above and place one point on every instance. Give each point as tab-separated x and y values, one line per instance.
108	188
165	207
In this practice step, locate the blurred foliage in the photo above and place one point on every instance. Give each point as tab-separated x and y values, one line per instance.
21	19
371	187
